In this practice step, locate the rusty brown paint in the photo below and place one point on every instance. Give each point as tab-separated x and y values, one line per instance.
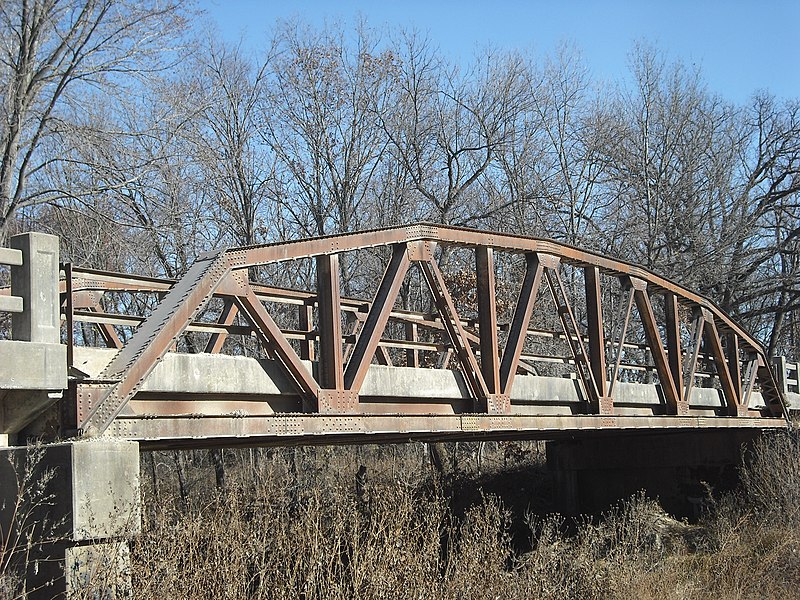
178	311
519	322
377	318
487	318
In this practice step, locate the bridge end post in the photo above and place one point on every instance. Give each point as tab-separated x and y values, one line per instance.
73	506
34	360
36	282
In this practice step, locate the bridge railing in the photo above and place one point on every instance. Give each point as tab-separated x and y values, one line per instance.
490	308
33	366
32	297
10	257
787	376
96	318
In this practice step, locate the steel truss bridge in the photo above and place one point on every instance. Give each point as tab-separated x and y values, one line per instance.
433	333
503	336
517	342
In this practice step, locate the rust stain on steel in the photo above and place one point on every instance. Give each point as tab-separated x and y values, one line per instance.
488	370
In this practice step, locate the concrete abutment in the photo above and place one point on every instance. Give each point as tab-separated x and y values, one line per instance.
591	474
70	509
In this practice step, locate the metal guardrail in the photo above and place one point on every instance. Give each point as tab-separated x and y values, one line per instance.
788	374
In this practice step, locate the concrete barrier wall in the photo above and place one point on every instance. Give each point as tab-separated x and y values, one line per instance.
216	374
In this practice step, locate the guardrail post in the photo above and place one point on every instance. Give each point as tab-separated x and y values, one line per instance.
796	387
36	282
779	368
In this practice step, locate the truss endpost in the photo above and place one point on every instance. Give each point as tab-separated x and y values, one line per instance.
154	337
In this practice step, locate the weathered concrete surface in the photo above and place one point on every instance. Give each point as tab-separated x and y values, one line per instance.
793	401
18	408
33	376
77	571
33	365
36	282
76	503
593	473
212	374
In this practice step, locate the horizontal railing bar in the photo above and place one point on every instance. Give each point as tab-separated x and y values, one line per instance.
11	257
11	304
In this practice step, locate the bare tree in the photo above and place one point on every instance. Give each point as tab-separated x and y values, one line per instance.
319	120
447	127
55	56
238	167
762	223
551	169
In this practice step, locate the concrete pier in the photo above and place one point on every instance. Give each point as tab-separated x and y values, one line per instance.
72	507
592	473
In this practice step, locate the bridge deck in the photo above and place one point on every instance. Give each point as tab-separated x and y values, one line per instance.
213	399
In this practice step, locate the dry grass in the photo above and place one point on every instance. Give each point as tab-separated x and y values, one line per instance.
295	524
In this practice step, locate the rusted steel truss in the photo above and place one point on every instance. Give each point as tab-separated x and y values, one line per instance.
682	339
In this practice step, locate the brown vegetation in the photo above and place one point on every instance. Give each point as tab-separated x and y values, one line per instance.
296	524
300	523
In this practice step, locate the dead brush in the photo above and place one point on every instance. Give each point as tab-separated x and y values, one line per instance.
295	525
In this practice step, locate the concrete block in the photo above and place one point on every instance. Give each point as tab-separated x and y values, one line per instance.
18	408
100	571
591	474
32	366
75	491
405	382
36	282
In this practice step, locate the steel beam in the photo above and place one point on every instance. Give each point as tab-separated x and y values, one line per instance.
455	330
721	362
520	320
137	359
487	318
673	330
270	334
489	376
656	346
329	318
226	318
377	318
594	318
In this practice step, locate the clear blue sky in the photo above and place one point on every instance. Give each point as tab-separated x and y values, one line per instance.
740	45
